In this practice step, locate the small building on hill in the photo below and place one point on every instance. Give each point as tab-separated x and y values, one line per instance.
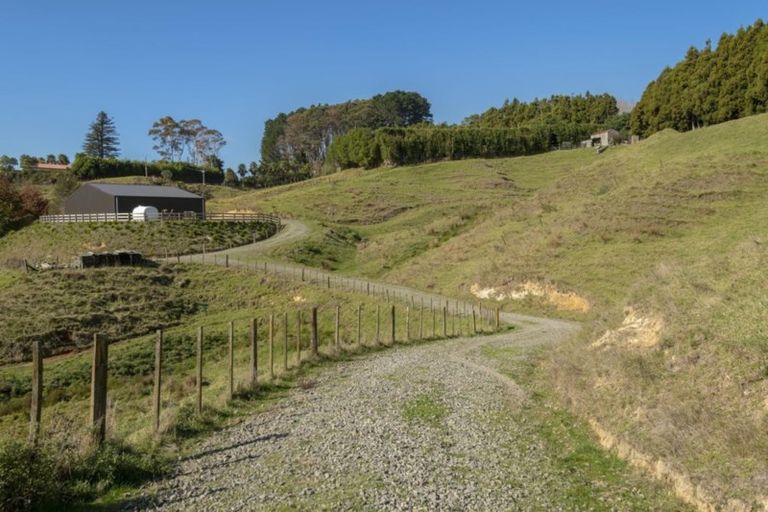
605	138
42	166
113	199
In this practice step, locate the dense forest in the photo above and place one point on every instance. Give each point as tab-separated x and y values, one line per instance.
709	86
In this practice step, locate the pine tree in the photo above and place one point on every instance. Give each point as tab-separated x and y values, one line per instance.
101	140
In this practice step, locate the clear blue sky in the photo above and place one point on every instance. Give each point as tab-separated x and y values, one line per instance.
235	64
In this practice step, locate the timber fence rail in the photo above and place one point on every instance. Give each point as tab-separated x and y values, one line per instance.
293	336
162	217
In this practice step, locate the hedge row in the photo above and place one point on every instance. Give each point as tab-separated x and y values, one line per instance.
89	168
362	147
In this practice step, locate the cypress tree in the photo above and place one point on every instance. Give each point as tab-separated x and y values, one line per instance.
101	140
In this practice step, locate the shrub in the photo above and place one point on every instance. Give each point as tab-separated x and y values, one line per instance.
55	475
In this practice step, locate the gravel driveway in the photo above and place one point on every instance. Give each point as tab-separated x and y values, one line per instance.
414	428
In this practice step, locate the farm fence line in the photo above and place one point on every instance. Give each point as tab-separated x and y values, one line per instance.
405	318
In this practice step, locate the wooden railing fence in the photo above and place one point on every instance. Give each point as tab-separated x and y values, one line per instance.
162	217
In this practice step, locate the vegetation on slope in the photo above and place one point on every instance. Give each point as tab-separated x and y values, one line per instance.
53	243
63	308
709	86
669	228
67	469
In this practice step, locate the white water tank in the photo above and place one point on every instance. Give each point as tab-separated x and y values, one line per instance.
145	214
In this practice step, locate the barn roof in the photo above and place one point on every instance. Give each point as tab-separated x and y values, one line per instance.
142	190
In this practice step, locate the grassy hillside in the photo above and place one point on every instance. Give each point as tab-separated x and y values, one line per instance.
67	469
662	242
61	242
62	309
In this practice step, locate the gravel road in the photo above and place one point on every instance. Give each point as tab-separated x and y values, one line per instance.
419	427
426	427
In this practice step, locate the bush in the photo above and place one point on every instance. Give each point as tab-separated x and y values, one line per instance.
28	479
51	476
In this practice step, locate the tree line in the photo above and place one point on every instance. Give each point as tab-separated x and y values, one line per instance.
586	109
396	128
302	138
363	147
709	86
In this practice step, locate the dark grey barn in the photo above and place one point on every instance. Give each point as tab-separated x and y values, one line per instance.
112	198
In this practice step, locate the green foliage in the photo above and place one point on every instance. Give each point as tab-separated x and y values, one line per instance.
88	168
54	475
101	140
584	109
19	207
357	148
403	146
230	178
273	130
8	163
709	86
272	174
174	138
398	108
305	135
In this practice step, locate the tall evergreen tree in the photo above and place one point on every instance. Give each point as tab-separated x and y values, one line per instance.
709	86
101	140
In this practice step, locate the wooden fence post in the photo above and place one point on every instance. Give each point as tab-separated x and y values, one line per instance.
226	260
158	384
498	319
434	321
231	361
393	323
338	335
407	323
199	373
298	338
36	405
474	322
253	338
285	341
378	323
315	351
359	324
302	275
271	345
99	388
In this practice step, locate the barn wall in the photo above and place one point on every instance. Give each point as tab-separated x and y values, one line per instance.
170	204
88	199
